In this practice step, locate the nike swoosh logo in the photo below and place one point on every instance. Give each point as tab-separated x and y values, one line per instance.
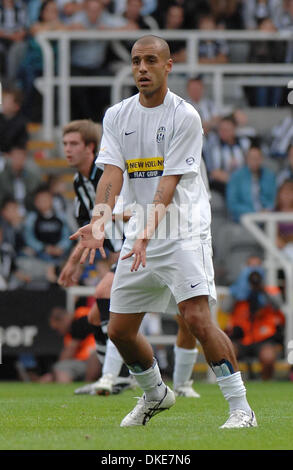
192	286
128	133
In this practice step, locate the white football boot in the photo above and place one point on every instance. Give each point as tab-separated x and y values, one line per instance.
240	419
145	410
186	390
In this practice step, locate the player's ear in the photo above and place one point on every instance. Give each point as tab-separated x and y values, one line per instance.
169	65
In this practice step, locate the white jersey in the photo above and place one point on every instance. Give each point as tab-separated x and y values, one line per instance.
149	143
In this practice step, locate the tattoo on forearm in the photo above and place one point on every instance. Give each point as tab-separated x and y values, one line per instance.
107	192
158	196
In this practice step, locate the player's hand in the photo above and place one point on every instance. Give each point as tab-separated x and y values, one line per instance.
91	239
70	274
139	253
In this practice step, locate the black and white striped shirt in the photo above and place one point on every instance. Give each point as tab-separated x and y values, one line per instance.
85	195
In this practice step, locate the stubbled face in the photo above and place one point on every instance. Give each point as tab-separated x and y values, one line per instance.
150	68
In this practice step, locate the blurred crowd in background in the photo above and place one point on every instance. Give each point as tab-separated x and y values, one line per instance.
249	167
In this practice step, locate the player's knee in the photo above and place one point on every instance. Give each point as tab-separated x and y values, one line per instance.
198	323
118	335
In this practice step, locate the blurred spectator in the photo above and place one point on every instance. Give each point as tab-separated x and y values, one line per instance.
118	7
282	137
227	13
12	223
136	20
287	172
13	125
285	24
255	10
241	288
12	34
174	18
224	153
243	129
257	325
68	8
77	360
46	231
11	245
89	58
192	10
252	188
32	64
61	204
213	51
19	179
262	52
285	229
206	108
7	260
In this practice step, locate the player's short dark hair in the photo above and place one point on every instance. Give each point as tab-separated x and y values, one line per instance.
151	38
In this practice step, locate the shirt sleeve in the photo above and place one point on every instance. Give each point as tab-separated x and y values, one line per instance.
184	153
110	150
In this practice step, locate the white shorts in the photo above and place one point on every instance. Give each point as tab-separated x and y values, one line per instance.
168	278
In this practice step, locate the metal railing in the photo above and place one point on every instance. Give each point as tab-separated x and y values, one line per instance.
263	227
271	74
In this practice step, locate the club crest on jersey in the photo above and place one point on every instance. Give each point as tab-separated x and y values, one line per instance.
161	134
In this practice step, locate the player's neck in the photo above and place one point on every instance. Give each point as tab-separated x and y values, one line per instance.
154	100
85	167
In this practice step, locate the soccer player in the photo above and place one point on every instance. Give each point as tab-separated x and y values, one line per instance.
81	140
157	138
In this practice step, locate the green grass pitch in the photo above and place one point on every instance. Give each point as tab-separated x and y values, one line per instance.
51	417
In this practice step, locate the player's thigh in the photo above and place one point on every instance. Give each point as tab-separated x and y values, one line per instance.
124	326
103	289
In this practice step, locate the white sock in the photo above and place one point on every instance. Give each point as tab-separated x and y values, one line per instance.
234	392
151	382
184	360
113	360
